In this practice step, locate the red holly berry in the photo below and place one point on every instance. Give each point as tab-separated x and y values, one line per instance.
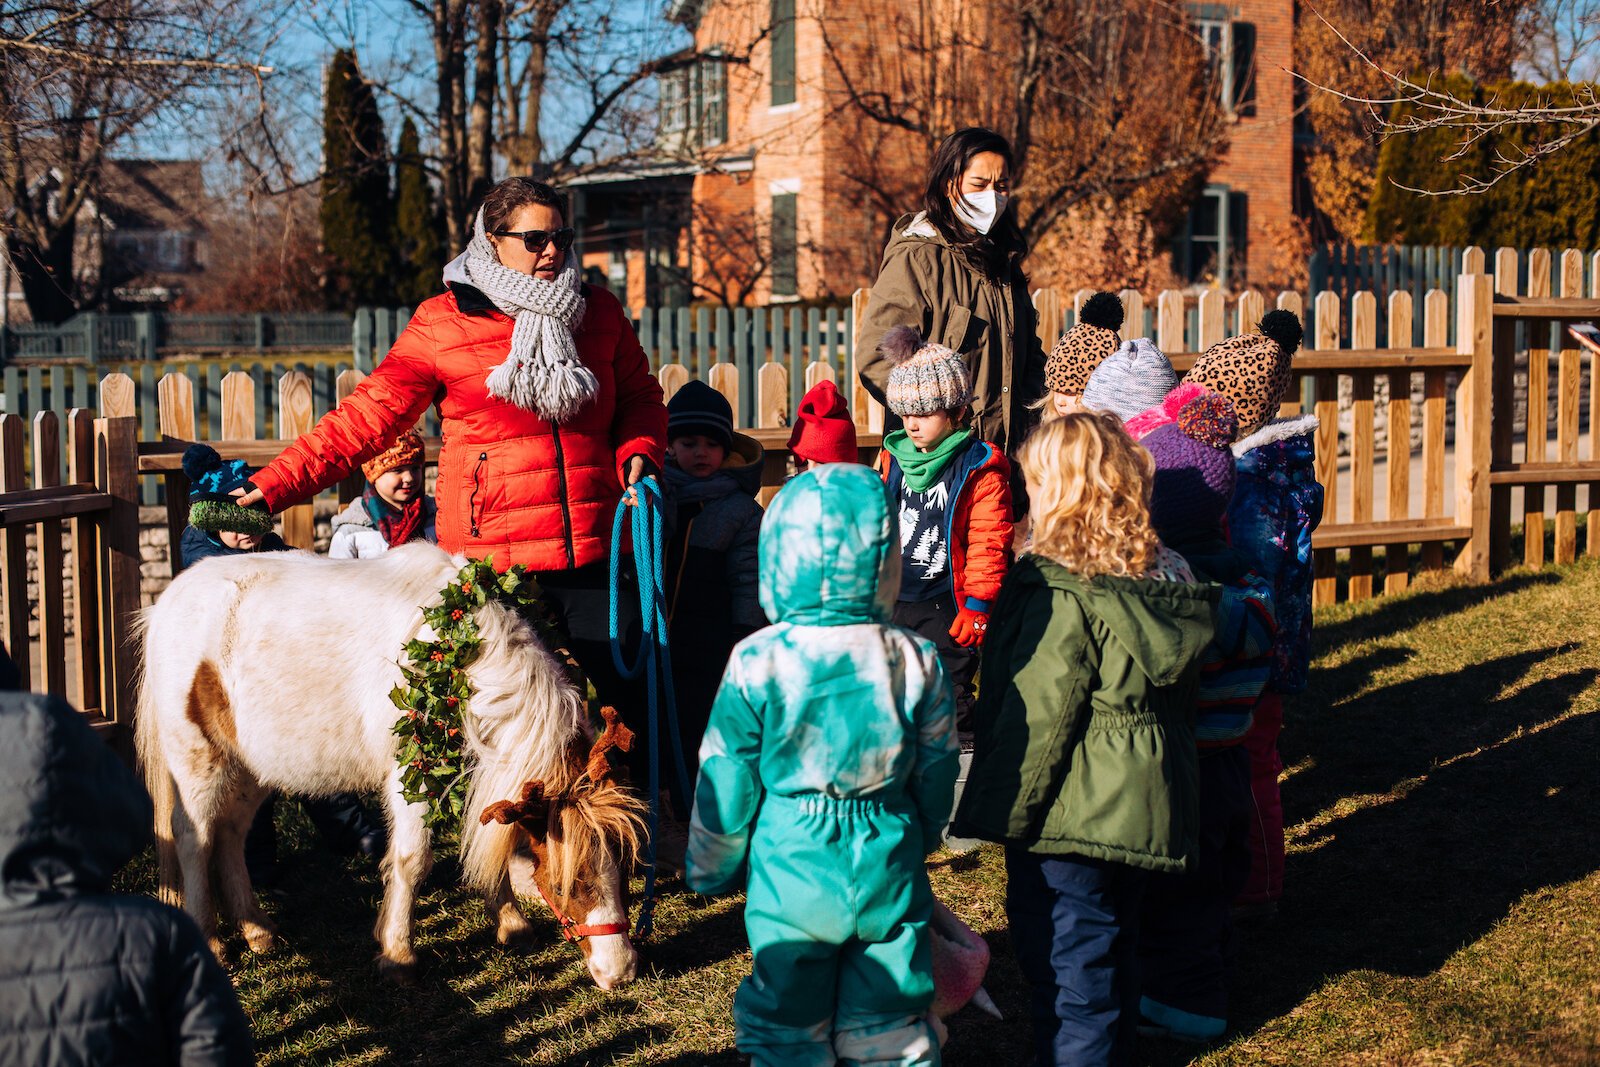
456	614
451	701
466	587
437	657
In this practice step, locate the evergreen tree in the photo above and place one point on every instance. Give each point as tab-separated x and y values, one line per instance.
356	209
418	224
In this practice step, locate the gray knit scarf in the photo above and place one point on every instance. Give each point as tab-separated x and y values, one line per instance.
543	374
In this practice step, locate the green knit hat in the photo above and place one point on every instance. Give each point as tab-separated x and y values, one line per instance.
212	506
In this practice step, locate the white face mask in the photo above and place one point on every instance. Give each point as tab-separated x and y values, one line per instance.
979	210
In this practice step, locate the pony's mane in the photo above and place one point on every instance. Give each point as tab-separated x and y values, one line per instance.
526	722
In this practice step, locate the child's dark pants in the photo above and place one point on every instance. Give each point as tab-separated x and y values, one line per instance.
1185	934
932	619
1075	929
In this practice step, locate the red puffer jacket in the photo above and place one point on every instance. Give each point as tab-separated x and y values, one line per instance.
511	485
979	523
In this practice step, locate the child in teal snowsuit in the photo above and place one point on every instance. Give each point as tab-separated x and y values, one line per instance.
826	777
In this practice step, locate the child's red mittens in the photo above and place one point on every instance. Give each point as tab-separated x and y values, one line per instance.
969	628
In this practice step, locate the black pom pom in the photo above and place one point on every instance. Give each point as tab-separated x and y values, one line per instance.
900	344
1284	328
198	459
1103	310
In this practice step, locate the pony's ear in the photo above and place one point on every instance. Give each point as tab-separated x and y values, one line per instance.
614	742
531	811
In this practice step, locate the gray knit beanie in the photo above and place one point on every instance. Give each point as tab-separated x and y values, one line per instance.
1134	378
924	377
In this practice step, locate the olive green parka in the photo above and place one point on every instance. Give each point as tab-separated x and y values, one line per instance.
926	283
1085	717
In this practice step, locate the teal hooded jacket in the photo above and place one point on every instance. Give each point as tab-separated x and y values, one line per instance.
830	701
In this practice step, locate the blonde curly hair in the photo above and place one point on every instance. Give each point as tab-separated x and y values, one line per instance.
1089	490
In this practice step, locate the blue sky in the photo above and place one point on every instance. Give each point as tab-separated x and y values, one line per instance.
392	43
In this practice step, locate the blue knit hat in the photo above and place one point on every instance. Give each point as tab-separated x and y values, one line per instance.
212	481
1134	378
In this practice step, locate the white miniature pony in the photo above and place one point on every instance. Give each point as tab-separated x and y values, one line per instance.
273	671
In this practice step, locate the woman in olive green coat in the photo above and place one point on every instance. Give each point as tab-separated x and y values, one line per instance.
1085	765
954	271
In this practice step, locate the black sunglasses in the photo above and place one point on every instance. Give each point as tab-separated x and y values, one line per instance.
535	240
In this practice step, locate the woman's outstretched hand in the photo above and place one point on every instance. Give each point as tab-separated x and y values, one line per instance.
249	498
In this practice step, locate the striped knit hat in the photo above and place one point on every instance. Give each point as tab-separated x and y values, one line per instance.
925	377
698	409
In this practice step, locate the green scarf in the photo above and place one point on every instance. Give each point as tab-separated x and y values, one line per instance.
922	469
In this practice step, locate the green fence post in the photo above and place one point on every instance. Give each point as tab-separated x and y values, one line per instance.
361	339
146	336
90	327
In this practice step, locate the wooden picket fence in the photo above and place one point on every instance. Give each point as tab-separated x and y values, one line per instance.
94	515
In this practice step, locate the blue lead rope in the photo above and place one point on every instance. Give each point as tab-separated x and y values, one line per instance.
654	658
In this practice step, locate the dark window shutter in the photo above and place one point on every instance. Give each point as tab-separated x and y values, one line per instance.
1238	239
1244	69
785	244
782	39
719	125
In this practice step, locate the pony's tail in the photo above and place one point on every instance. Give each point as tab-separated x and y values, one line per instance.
157	779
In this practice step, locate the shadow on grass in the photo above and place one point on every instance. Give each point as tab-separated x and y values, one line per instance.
1395	733
1400	886
1393	615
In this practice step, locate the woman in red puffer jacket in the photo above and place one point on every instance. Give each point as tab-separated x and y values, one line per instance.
547	404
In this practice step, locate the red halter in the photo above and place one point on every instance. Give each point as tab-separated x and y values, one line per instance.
575	931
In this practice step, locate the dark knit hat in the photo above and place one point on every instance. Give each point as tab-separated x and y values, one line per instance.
1253	369
699	409
823	430
1085	346
212	481
1194	477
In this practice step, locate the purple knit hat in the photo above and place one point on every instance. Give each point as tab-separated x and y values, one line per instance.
1194	468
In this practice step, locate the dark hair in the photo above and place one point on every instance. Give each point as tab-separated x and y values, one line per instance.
997	252
508	196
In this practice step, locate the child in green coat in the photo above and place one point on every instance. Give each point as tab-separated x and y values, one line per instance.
826	778
1085	765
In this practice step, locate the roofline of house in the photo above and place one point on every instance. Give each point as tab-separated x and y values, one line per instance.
641	172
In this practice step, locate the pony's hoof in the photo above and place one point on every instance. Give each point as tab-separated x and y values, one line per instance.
218	949
398	972
514	934
260	938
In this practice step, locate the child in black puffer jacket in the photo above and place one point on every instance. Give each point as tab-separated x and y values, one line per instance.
88	975
711	478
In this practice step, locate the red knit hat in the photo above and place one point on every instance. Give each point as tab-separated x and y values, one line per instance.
824	432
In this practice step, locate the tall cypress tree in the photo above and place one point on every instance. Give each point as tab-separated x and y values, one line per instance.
418	224
356	211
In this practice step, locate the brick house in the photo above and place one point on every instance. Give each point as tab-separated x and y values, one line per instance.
780	209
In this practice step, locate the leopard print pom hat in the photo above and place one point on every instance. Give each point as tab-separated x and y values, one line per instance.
1085	346
1252	370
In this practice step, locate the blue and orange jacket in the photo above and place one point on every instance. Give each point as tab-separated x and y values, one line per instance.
978	524
1237	665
